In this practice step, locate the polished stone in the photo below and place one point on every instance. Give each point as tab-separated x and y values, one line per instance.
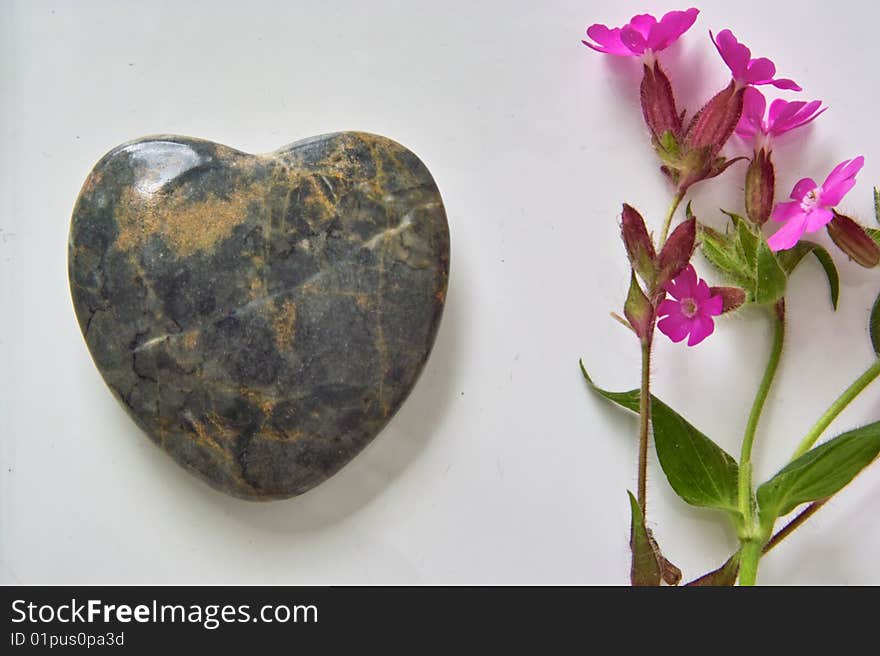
261	317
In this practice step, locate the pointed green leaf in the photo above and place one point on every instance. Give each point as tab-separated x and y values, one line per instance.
770	278
874	327
628	400
746	240
699	471
790	259
819	473
645	568
723	576
721	252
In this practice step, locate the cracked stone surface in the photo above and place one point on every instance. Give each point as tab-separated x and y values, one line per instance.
261	317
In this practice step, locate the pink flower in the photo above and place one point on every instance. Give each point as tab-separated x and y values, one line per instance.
811	208
643	35
747	71
692	310
784	116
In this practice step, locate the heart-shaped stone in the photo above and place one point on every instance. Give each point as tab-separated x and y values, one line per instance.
261	317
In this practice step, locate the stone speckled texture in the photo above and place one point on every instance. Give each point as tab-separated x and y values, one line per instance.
261	317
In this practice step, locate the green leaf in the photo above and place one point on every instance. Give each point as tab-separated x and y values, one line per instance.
819	473
723	576
721	251
746	240
874	327
791	258
699	470
770	277
645	568
628	400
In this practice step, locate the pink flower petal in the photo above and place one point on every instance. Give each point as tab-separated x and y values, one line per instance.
642	24
786	116
702	293
841	179
785	83
802	188
712	306
760	71
701	328
752	120
633	40
608	40
675	327
786	211
670	28
789	234
734	54
818	218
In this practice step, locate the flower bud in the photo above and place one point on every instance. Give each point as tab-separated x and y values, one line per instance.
760	187
731	297
638	310
852	239
712	126
658	102
639	247
677	252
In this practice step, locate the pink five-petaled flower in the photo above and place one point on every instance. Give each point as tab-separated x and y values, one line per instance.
811	206
747	71
692	310
784	116
643	35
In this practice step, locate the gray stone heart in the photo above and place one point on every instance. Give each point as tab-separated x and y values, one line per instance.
261	317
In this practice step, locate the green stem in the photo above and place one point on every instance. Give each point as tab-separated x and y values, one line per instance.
644	423
745	461
836	408
750	554
667	222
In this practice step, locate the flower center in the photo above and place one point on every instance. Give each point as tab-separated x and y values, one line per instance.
811	200
688	307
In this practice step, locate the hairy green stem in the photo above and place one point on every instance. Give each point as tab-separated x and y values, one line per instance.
750	534
836	408
644	423
750	553
667	222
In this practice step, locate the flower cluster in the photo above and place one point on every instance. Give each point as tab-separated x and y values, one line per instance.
690	152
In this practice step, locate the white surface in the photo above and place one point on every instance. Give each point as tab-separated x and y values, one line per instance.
500	468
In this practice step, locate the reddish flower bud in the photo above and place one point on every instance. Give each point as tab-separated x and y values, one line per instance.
731	297
658	102
638	310
639	247
677	252
712	126
760	187
852	239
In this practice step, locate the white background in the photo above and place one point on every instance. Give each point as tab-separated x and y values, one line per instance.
500	468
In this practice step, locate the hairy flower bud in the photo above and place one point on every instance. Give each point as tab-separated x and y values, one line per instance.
853	240
639	247
638	310
658	102
677	251
731	297
712	126
760	187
